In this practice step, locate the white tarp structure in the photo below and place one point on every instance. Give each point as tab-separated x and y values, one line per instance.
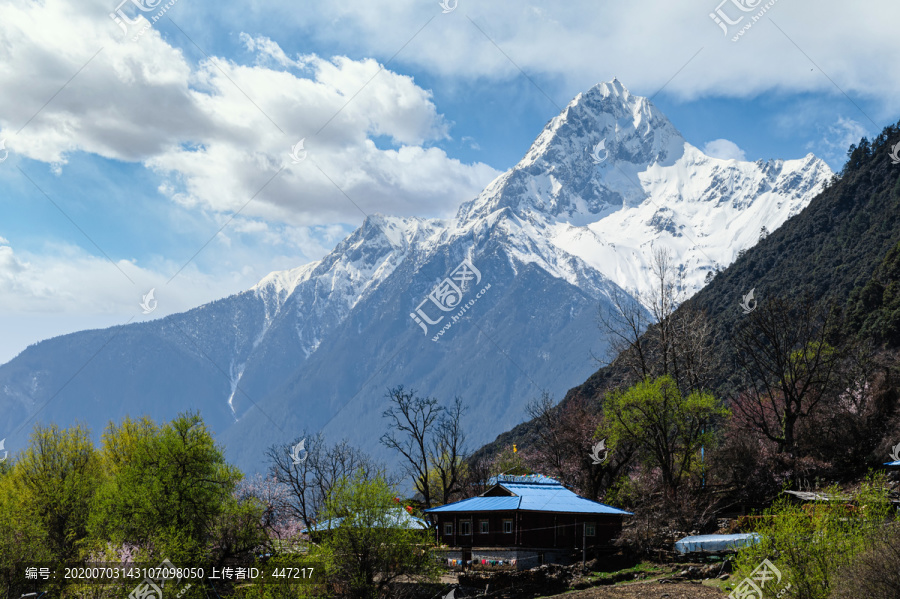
715	543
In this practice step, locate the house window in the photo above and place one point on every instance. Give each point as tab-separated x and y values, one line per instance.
507	526
590	529
448	528
465	527
484	527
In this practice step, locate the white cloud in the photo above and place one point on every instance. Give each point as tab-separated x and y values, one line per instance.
836	139
724	149
844	133
64	289
266	48
646	43
66	279
217	134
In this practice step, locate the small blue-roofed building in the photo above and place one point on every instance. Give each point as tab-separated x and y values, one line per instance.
524	521
393	518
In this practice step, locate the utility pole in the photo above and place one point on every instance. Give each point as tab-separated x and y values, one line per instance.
583	543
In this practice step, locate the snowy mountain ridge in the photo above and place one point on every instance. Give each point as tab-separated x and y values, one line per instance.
314	348
559	206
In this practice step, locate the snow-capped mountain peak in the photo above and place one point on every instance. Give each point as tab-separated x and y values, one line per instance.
611	177
607	124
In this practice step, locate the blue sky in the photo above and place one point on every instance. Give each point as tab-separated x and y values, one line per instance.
127	158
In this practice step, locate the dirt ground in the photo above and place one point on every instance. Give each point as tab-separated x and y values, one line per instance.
649	590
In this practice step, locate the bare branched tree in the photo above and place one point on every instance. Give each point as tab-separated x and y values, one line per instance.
691	343
788	367
624	327
448	451
554	450
567	438
657	334
430	439
312	479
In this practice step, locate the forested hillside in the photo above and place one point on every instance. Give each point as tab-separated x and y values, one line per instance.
841	252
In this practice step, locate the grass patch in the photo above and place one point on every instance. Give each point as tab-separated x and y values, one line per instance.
643	570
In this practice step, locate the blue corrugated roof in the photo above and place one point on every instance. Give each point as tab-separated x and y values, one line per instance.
480	504
556	498
534	497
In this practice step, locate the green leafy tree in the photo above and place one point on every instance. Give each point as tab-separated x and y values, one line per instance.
169	487
23	539
239	529
368	546
55	478
667	427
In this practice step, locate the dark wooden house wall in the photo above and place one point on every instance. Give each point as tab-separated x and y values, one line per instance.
529	529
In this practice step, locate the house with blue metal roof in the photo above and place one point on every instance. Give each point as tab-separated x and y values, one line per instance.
524	521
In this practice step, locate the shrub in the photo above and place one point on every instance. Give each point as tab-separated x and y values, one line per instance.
873	573
811	544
